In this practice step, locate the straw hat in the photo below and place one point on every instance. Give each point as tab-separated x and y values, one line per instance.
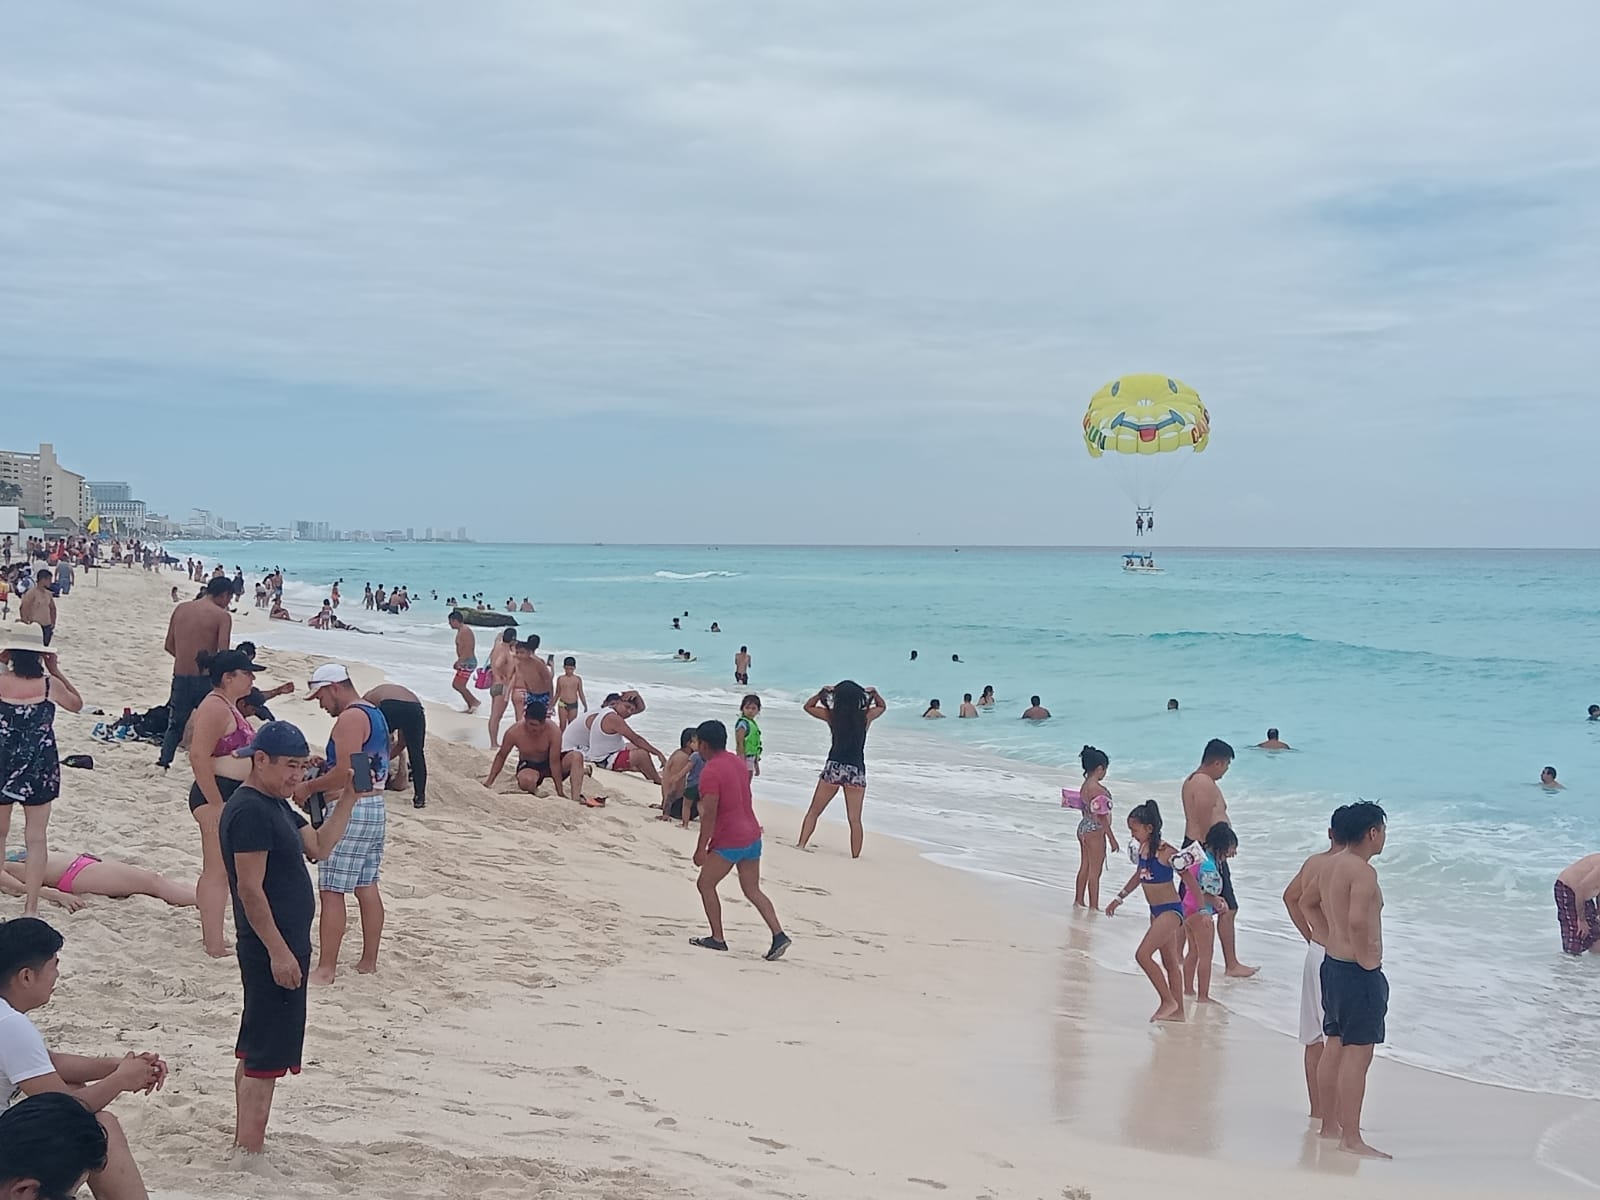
16	636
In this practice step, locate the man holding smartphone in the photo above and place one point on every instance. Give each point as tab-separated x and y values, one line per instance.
352	782
264	845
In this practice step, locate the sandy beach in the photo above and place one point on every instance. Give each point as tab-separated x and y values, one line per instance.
540	1025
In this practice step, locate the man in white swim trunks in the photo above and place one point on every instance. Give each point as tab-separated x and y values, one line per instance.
1313	926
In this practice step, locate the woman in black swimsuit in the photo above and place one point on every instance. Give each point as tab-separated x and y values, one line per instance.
849	709
30	766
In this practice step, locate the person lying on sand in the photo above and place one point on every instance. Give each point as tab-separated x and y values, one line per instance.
68	877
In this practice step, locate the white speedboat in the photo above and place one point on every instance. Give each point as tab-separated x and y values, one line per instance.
1141	564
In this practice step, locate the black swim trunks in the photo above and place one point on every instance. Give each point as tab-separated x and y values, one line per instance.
1355	1002
272	1029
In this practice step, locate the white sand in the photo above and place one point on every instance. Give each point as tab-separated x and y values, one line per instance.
541	1027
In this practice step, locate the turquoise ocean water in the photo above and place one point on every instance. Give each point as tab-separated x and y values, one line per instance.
1436	682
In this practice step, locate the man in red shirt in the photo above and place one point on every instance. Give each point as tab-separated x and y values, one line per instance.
730	837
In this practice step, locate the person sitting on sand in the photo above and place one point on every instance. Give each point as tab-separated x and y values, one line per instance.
1548	781
986	700
1273	742
1154	872
70	876
615	746
1035	711
968	708
279	612
29	967
48	1145
730	839
537	741
933	712
675	775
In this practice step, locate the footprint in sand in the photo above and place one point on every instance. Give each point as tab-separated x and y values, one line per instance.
933	1183
769	1143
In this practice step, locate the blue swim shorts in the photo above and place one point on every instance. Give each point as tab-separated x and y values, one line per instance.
739	854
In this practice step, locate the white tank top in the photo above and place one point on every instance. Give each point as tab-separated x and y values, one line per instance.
602	744
576	735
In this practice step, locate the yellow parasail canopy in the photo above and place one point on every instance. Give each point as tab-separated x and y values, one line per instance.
1145	414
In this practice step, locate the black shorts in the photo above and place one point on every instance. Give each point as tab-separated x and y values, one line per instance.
1227	879
1355	1002
675	809
542	768
272	1031
197	798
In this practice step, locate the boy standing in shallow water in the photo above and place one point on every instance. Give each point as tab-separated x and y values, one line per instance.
730	838
569	691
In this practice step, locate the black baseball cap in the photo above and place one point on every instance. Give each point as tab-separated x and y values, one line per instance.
277	739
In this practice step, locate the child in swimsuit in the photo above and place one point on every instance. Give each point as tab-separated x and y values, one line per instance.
1202	903
1154	872
1094	828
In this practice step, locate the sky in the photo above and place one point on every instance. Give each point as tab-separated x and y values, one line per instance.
820	272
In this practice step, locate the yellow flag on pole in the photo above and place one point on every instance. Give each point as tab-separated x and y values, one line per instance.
94	523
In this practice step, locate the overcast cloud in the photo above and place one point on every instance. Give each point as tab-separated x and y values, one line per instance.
813	272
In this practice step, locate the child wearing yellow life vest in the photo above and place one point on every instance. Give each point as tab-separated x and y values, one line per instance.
747	734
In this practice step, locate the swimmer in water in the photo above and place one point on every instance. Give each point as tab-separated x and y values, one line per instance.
986	700
1172	705
1035	711
968	708
913	656
933	712
1594	709
1273	742
1547	780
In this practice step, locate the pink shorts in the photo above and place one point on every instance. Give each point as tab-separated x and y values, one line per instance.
76	869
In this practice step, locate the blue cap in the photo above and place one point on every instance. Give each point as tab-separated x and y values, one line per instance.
278	739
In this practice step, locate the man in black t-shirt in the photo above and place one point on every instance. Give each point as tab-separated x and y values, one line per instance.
265	843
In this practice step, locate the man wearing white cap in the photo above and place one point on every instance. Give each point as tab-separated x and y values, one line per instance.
353	773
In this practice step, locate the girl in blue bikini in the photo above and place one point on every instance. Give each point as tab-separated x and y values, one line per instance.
1154	872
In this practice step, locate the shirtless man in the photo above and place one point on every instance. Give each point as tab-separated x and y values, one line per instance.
1303	899
1273	742
569	691
968	708
1038	712
1576	890
196	626
741	667
408	738
1355	994
537	741
503	669
1203	807
466	658
38	606
533	679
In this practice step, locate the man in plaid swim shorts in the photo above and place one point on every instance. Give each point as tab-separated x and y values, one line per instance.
359	733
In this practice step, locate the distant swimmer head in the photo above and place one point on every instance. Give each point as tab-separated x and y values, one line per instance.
1594	712
988	691
1172	705
1221	841
1362	825
1272	735
1547	776
966	697
933	706
1033	700
955	658
913	656
1093	760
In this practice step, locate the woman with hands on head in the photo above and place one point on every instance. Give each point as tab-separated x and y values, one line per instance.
848	709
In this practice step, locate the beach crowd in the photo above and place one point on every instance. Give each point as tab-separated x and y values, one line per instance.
265	803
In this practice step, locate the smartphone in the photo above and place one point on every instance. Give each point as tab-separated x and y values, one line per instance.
361	772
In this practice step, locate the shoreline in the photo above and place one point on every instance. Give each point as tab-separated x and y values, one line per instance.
934	1031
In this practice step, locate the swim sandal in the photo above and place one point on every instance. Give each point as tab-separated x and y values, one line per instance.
708	943
779	944
82	761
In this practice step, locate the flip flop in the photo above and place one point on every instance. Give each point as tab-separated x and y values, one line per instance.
708	943
592	801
